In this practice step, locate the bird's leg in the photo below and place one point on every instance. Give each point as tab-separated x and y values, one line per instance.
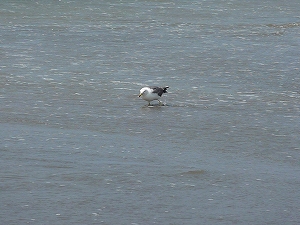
148	103
160	103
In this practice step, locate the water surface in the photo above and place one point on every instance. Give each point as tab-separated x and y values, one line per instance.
79	147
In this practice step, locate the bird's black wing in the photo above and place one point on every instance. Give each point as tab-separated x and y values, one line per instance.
157	90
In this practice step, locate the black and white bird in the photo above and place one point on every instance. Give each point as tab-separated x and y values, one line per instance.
152	93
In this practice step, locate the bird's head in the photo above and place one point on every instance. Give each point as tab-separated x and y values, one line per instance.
142	91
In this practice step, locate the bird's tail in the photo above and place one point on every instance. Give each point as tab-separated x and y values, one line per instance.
165	89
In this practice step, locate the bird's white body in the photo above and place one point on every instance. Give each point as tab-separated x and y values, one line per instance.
148	95
152	93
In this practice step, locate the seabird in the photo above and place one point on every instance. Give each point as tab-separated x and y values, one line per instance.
152	93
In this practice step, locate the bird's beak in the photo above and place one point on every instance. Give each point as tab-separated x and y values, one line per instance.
140	94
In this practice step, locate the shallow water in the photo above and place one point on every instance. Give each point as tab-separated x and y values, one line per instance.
79	147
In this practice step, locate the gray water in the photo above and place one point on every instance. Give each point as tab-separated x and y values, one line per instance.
79	147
